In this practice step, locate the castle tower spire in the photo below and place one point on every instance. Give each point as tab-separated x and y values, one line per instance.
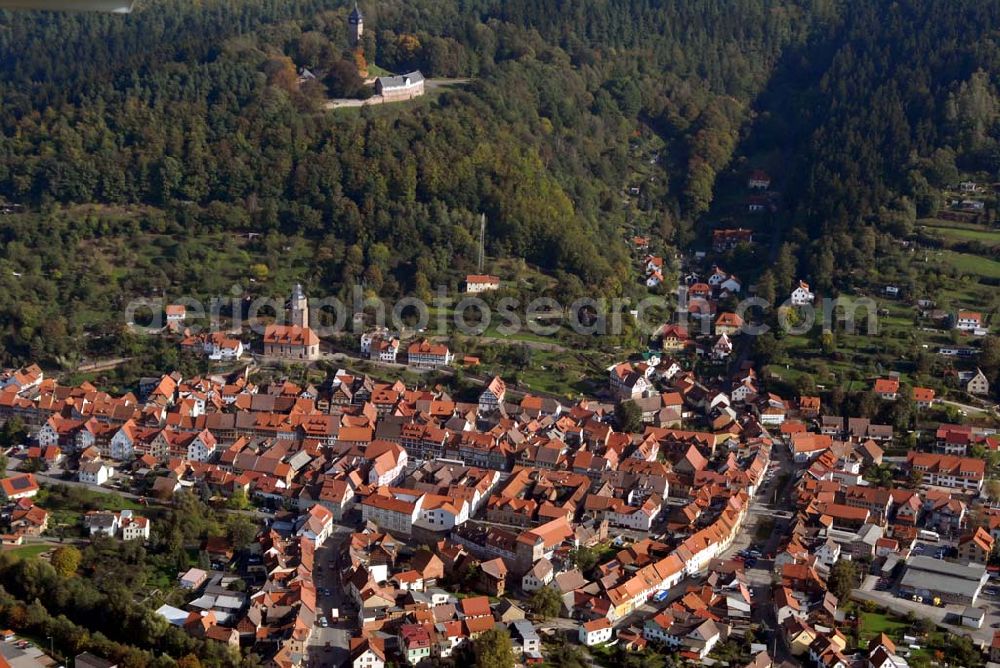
356	25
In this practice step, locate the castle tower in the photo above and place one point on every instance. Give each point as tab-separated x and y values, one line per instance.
299	306
356	25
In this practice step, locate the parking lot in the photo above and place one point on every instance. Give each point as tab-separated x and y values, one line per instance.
988	601
936	550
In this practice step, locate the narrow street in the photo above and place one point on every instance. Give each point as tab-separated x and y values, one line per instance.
330	645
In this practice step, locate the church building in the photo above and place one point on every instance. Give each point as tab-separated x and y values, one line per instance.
295	340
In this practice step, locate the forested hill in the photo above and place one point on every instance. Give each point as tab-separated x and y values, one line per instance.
190	113
193	112
881	109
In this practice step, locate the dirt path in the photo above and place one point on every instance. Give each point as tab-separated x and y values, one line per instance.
102	365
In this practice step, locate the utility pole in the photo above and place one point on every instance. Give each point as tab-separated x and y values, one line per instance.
482	240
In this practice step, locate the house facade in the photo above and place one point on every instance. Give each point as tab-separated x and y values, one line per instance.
802	295
428	355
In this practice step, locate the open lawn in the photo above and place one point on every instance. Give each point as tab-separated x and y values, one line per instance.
971	264
28	551
958	231
557	373
874	623
376	71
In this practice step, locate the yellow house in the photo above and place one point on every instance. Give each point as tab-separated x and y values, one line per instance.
798	635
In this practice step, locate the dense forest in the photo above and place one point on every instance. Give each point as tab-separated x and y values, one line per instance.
185	125
883	107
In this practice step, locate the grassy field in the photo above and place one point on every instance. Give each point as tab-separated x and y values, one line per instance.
958	231
874	623
376	71
28	551
68	507
524	333
557	373
971	264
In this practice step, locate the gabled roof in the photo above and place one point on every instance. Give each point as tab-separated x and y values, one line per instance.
15	485
887	385
476	606
290	335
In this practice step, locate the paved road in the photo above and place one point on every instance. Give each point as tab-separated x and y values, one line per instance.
330	646
967	407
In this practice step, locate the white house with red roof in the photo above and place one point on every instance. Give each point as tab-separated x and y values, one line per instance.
595	632
19	486
122	445
390	513
923	397
476	283
492	397
627	381
316	525
887	388
202	446
220	347
441	513
176	313
426	354
367	652
388	461
380	345
802	295
134	527
968	321
949	471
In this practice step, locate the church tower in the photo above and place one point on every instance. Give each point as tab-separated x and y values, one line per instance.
356	25
300	307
